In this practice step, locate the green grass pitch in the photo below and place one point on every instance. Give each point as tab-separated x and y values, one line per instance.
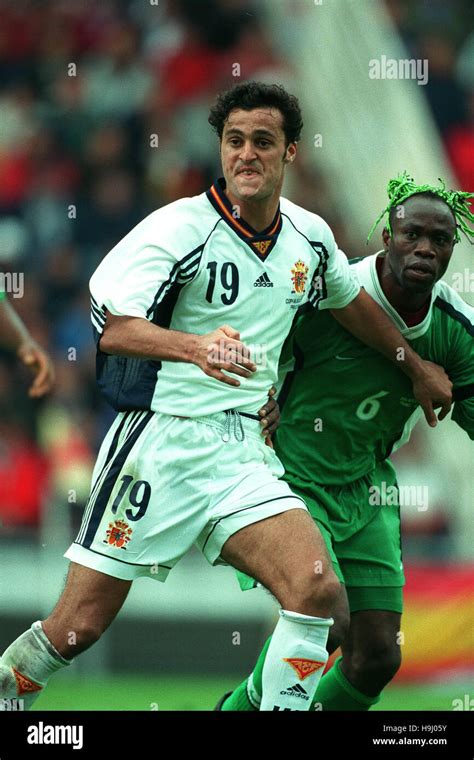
201	693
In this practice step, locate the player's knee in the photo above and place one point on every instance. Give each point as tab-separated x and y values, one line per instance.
90	631
378	663
73	639
315	593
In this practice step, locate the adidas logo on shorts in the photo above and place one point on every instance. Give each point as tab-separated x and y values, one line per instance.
263	281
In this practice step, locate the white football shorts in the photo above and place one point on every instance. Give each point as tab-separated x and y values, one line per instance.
163	483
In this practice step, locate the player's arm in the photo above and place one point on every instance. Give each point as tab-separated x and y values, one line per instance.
126	287
217	351
460	367
365	319
14	336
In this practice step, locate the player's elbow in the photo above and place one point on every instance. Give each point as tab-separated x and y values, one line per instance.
108	340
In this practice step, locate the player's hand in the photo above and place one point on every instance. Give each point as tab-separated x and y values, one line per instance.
270	417
432	388
223	350
33	356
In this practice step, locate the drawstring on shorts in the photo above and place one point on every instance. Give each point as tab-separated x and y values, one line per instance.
233	418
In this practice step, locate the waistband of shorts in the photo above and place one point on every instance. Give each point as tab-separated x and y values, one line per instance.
232	419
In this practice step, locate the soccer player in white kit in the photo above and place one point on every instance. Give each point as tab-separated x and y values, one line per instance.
177	306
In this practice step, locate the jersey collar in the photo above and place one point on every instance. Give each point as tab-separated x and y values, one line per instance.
369	280
261	243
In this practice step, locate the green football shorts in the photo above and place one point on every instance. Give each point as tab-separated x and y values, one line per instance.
360	524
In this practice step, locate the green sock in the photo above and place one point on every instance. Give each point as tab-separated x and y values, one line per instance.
239	699
334	692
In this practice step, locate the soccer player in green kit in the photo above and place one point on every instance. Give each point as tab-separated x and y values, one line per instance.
345	409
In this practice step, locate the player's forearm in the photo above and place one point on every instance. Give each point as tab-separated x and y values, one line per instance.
364	318
13	333
138	338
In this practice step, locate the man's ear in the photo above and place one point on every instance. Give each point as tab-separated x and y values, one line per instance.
386	237
290	153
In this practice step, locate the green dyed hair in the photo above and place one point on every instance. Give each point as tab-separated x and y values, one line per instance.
403	187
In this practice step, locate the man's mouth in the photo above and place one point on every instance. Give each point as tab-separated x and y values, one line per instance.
248	172
420	270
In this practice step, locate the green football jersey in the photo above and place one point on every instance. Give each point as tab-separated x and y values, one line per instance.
345	407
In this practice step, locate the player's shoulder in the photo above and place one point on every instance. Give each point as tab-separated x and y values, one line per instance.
180	226
306	223
194	214
449	302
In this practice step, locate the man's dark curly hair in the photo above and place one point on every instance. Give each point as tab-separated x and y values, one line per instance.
249	95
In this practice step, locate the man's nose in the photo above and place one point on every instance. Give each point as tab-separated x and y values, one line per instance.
424	248
247	152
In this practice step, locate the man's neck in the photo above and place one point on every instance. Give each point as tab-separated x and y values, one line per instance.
259	214
401	300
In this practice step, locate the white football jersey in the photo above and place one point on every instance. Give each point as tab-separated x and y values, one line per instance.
193	266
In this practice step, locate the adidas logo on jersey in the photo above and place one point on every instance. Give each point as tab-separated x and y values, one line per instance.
296	691
263	281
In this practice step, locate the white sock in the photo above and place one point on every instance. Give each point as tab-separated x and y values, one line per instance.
25	668
294	662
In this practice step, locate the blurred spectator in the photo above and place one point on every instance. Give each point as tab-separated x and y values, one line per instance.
445	96
460	146
24	472
116	82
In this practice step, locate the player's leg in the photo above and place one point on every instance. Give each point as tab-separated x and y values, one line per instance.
87	606
372	555
287	554
371	653
89	603
247	696
370	659
94	590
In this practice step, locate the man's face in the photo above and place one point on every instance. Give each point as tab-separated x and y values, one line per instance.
254	153
422	243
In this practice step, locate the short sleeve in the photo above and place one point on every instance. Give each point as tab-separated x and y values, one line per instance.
334	284
137	273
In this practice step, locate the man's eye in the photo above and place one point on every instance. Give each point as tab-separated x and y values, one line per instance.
263	143
410	234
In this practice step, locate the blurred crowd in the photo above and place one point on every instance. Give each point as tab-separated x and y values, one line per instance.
443	34
103	118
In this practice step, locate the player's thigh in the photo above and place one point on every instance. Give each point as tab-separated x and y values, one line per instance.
371	556
279	550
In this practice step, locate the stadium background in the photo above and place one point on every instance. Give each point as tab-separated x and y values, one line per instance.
103	118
